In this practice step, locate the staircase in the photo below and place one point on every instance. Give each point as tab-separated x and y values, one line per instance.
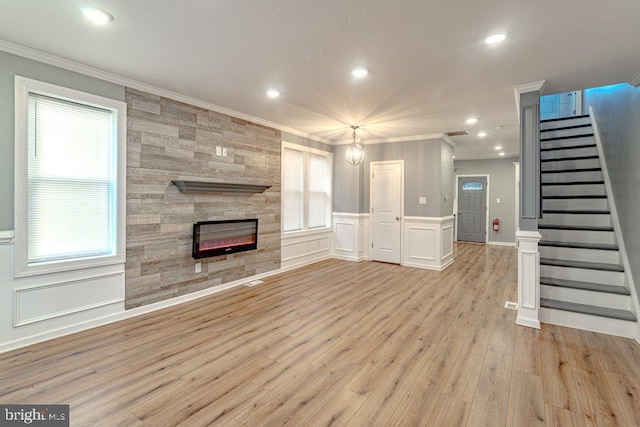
582	280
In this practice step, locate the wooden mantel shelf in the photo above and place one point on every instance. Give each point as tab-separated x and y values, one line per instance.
192	183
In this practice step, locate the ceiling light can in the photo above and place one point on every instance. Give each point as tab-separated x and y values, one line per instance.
96	15
360	72
497	37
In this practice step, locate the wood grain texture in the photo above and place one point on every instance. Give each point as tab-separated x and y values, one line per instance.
338	343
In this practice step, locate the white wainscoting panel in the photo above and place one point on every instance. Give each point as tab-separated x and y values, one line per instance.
528	278
350	240
35	308
303	249
427	242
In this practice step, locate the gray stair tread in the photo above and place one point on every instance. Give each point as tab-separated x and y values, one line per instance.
578	245
587	286
578	211
567	127
571	147
575	227
572	170
578	196
588	309
564	118
581	264
574	183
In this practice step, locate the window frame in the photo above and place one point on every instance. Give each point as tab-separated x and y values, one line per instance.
305	208
23	87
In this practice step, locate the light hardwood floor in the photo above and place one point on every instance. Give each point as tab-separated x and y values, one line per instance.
339	343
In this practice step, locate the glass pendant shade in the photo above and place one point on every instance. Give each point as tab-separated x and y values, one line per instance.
355	154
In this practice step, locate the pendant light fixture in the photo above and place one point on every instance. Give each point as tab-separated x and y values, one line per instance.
355	152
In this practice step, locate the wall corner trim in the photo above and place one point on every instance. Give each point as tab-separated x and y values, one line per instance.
6	237
526	88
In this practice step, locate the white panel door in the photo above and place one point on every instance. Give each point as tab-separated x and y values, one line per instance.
386	211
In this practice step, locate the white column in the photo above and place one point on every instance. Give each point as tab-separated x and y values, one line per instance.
528	278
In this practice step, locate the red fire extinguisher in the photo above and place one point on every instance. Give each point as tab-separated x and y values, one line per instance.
496	225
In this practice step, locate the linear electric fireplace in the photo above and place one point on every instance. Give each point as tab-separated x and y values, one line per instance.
211	238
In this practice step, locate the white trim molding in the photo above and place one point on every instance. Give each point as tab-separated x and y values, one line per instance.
442	136
6	237
86	70
349	237
526	88
427	242
528	278
491	242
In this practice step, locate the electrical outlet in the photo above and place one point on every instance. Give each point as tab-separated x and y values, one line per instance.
218	151
498	200
224	152
198	267
422	200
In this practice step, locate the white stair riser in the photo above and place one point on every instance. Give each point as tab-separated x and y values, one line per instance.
572	176
573	204
574	190
565	132
579	254
583	275
587	322
572	142
578	236
580	296
570	164
603	220
565	123
573	152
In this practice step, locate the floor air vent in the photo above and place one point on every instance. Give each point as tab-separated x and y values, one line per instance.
254	283
511	305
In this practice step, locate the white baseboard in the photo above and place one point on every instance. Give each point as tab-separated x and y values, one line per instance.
348	258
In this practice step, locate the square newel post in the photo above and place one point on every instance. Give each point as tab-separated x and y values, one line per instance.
527	236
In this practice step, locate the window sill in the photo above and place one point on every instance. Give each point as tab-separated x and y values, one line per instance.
302	233
36	269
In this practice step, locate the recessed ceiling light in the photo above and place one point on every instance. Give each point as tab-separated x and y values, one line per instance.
501	153
359	72
272	93
498	147
497	37
96	15
471	121
482	134
454	157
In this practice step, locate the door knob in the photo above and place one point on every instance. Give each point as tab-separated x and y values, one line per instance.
397	218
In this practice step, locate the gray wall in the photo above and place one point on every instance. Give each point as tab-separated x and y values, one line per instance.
10	66
421	173
348	182
447	179
502	186
617	110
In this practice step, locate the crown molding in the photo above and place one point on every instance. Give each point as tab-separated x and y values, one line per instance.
442	136
97	73
525	88
635	78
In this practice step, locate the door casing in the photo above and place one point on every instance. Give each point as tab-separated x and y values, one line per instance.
486	225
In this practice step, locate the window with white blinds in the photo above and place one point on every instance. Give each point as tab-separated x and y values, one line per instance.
306	175
71	204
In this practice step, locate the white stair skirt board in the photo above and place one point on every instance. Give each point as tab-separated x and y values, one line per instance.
528	279
588	322
580	296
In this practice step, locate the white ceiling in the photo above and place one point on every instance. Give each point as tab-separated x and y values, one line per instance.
430	69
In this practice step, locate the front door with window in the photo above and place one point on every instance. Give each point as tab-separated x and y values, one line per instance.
472	209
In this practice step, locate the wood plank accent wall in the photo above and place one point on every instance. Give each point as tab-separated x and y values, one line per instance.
167	139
